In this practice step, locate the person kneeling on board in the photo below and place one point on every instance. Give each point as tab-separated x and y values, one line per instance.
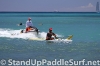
50	34
29	26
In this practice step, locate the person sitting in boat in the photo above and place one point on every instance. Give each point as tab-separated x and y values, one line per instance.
29	26
50	34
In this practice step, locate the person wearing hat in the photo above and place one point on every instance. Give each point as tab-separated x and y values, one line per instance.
50	34
29	25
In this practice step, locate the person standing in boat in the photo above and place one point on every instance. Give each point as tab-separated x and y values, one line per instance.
50	34
29	25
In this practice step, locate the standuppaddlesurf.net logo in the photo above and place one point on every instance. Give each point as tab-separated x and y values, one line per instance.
35	62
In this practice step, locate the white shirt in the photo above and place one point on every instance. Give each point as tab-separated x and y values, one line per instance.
29	23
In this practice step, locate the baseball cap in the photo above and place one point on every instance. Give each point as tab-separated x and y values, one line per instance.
29	18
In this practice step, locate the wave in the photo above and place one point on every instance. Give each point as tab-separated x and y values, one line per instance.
10	33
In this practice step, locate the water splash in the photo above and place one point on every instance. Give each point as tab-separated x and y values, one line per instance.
10	33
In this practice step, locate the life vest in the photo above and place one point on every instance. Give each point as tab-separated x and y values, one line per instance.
28	29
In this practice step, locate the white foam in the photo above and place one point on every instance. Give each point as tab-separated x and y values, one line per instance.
10	33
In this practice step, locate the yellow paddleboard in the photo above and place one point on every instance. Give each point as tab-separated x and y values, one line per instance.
70	37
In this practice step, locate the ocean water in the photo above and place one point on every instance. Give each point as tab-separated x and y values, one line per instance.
84	26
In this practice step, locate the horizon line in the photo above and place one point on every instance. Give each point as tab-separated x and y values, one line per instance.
48	11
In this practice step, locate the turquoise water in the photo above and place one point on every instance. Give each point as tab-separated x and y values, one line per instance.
85	28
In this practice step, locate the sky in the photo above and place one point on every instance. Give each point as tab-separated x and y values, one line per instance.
48	5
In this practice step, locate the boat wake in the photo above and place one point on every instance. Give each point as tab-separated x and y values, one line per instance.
10	33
